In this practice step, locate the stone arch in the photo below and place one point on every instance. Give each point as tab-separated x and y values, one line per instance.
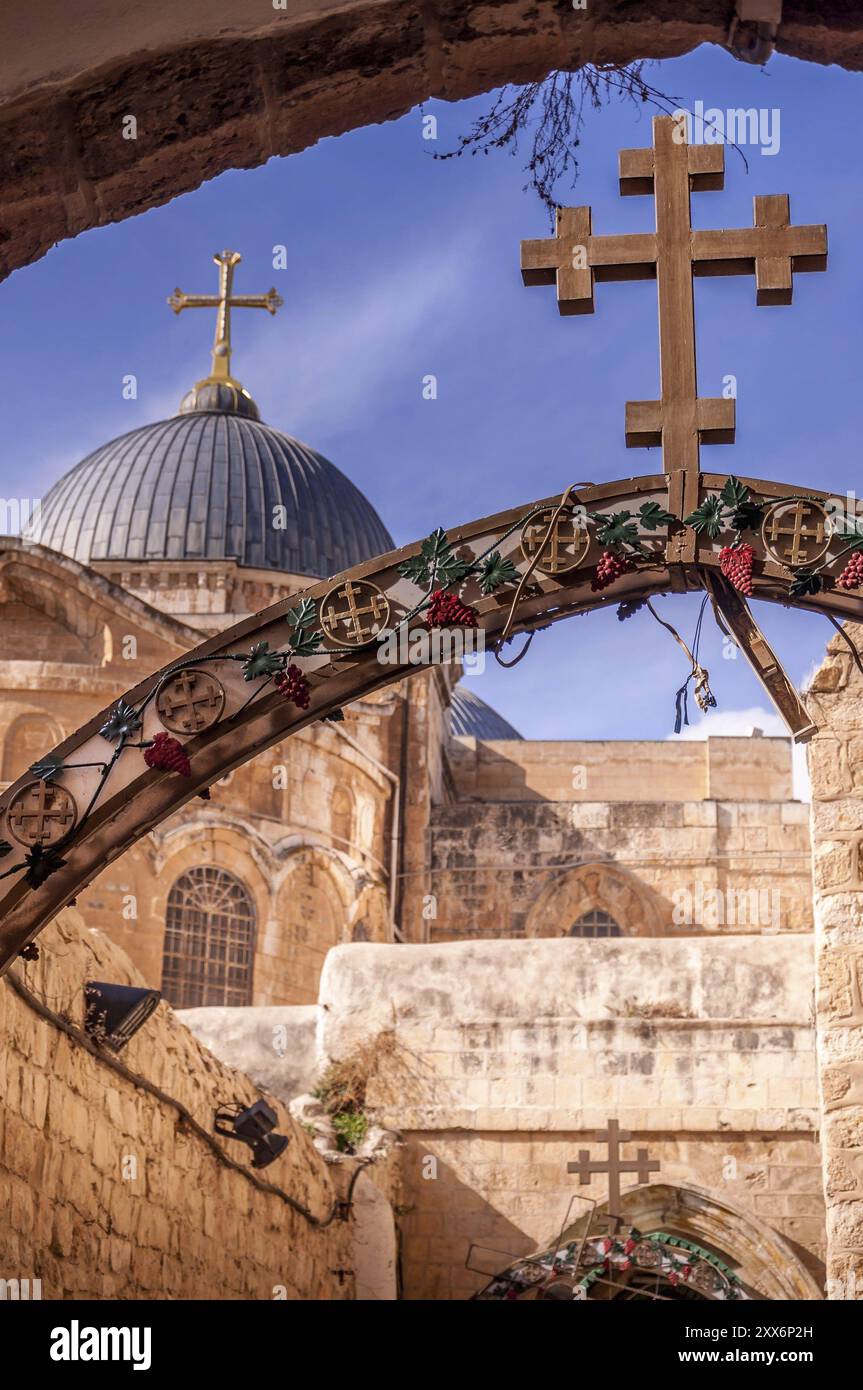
606	888
218	86
763	1260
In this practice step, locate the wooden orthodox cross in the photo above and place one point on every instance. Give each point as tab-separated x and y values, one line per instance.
681	420
642	1165
224	302
575	259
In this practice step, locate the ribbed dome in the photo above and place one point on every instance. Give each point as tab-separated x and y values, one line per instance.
203	486
471	717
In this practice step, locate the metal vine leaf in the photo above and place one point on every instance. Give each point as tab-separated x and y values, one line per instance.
748	516
47	768
261	662
853	539
617	529
435	561
305	643
5	848
304	613
122	722
805	581
707	517
734	493
652	516
42	861
496	571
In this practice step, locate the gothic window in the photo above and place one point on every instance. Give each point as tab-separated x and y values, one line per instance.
209	940
595	923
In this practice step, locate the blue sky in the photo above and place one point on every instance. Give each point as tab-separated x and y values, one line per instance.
399	266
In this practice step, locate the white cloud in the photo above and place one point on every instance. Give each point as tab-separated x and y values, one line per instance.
741	723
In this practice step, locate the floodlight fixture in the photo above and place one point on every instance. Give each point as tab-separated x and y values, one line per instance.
116	1012
253	1126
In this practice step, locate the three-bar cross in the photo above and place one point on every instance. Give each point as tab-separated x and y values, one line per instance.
614	1165
575	259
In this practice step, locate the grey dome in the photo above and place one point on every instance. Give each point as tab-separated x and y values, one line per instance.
202	486
471	717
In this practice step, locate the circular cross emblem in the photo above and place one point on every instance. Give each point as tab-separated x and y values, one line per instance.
189	701
41	814
565	547
795	533
354	612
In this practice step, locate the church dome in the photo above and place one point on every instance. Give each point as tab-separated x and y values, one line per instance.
214	482
203	486
471	717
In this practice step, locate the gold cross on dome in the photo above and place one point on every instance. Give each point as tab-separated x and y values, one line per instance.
575	260
223	303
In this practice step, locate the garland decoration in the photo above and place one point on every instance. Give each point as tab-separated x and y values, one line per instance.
581	1266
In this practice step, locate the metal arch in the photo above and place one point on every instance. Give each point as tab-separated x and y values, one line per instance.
137	798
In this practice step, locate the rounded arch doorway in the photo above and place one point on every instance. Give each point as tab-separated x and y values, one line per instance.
669	1243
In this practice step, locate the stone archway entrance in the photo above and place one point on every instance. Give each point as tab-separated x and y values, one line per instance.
673	1243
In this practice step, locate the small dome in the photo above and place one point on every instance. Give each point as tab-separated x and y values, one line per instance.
471	717
205	485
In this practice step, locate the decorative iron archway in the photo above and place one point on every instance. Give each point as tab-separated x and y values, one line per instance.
94	795
619	542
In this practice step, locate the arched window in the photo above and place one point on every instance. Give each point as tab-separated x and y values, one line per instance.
209	940
595	923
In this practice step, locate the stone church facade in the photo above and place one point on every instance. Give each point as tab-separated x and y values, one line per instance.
549	933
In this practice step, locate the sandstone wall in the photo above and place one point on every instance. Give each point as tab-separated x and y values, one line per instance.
836	766
107	1194
525	868
509	1055
573	770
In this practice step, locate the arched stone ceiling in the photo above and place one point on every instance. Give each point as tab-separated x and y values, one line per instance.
221	84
